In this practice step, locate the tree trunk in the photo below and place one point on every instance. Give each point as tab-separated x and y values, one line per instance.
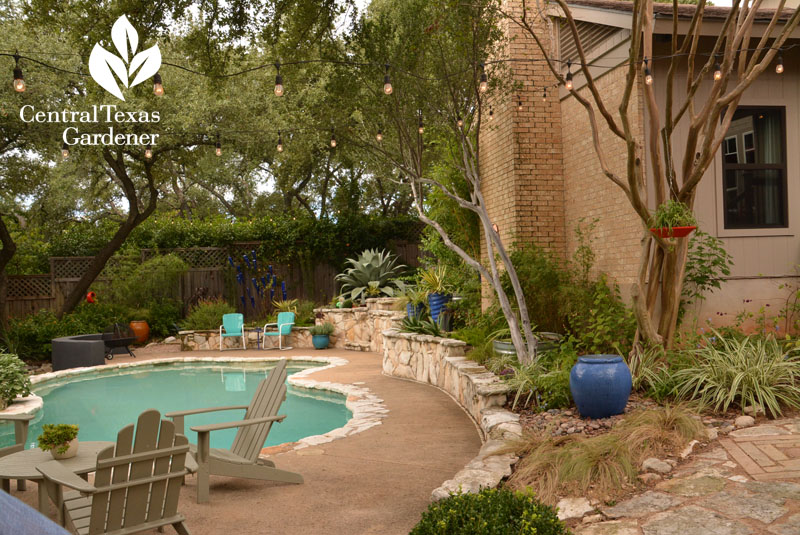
134	219
6	254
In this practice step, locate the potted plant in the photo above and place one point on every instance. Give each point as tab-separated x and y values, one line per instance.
321	335
61	440
413	301
14	381
434	282
672	219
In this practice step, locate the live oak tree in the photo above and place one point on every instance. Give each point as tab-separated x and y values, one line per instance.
706	103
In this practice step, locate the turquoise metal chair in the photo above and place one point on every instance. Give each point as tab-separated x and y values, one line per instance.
234	326
284	328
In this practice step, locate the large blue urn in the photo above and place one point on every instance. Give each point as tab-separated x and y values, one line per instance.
436	303
600	385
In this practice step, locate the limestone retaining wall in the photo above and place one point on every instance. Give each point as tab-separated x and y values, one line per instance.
441	362
204	340
360	328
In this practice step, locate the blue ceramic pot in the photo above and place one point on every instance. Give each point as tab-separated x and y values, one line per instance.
320	341
414	312
436	303
600	385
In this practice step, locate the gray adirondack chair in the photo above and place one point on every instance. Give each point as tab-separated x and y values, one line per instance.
242	459
136	485
20	438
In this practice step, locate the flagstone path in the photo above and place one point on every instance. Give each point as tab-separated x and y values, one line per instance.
748	485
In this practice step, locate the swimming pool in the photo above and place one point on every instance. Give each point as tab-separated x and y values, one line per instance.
103	403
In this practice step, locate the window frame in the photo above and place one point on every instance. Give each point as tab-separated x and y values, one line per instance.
750	166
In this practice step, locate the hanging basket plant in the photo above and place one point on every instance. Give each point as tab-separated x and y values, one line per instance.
672	219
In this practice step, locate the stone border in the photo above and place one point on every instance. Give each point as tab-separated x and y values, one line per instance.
440	362
368	410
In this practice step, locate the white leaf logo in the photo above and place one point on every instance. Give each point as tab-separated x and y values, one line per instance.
103	65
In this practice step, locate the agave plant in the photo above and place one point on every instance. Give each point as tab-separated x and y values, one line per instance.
370	275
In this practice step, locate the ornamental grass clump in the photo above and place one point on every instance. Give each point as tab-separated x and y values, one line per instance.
566	465
490	512
749	371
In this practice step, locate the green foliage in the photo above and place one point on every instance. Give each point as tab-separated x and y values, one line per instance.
490	512
749	371
288	305
31	335
57	436
305	313
324	328
672	214
421	325
606	325
207	314
434	280
155	280
707	265
544	384
163	317
14	380
372	274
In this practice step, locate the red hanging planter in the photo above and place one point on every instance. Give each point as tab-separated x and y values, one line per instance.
674	232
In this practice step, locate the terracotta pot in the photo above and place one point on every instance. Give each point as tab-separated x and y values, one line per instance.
141	330
71	452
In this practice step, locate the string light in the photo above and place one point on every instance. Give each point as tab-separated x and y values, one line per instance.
717	72
568	83
484	81
280	143
544	94
158	86
648	77
148	152
459	121
519	103
779	66
387	83
218	150
64	150
19	80
278	80
379	135
491	113
333	139
420	128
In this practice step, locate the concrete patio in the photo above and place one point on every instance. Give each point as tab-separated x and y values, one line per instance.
375	482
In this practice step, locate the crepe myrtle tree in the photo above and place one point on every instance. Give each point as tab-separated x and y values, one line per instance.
433	120
706	105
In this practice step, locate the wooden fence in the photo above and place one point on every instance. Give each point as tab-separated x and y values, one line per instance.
210	275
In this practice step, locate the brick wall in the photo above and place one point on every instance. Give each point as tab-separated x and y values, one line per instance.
590	194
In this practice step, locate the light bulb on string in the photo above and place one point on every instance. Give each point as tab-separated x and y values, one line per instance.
648	76
158	85
379	135
333	139
484	81
544	95
64	150
19	80
491	113
387	83
717	72
148	152
218	147
459	122
779	66
278	80
420	127
519	103
280	143
568	83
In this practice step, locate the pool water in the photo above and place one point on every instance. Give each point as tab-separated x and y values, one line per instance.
102	404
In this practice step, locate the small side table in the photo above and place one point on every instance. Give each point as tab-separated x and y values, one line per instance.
258	331
22	465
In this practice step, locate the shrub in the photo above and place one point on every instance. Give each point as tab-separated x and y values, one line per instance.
163	317
748	371
323	329
156	280
14	380
490	512
207	314
305	313
57	436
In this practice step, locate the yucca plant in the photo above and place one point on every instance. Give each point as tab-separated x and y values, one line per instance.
750	371
372	274
285	305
